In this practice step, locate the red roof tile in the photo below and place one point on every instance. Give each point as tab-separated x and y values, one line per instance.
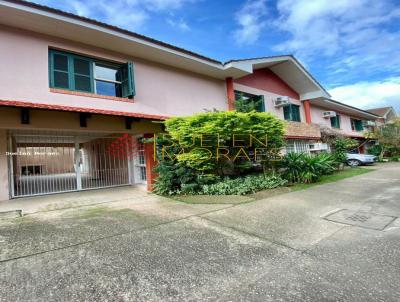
22	104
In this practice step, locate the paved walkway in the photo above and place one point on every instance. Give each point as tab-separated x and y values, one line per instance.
147	248
29	205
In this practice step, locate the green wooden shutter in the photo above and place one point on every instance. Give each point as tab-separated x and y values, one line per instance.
335	121
286	113
359	125
82	73
295	113
261	104
59	70
128	80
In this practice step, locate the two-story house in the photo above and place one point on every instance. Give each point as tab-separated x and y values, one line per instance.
386	115
77	94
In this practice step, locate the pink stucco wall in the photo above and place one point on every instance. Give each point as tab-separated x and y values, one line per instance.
160	89
345	124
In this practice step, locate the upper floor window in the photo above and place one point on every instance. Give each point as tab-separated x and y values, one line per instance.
78	73
292	113
335	121
246	102
356	125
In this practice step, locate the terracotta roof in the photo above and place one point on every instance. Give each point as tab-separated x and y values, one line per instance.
379	111
22	104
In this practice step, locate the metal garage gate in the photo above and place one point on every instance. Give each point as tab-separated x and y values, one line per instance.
49	162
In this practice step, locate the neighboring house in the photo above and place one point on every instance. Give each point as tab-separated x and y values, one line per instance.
386	114
343	120
77	94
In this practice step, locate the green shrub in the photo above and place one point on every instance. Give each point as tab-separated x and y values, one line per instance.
201	136
177	178
243	185
375	150
306	168
341	146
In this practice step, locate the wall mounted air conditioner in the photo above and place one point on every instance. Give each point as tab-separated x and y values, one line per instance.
369	123
282	101
328	114
318	147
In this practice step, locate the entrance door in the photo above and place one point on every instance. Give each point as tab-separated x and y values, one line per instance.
50	162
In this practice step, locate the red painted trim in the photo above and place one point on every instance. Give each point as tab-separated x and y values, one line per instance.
307	111
91	95
150	162
230	93
22	104
265	79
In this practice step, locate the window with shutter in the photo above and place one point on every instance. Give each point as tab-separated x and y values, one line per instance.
357	125
246	102
292	113
78	73
335	121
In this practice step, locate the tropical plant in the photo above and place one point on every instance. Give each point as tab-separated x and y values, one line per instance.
341	146
243	185
306	168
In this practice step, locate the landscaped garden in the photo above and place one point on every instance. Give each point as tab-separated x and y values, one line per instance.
238	153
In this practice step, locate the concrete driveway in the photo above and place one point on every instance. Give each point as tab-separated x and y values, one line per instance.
142	247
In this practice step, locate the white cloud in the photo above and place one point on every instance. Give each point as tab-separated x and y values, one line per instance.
250	20
179	24
370	94
356	32
160	5
129	14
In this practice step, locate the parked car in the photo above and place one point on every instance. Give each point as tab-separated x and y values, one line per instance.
354	160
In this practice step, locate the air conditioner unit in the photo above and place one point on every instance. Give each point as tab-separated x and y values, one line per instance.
328	114
369	123
282	101
318	147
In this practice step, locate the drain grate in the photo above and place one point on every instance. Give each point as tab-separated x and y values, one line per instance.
358	217
361	219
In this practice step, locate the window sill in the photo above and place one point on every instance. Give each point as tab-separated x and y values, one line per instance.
91	95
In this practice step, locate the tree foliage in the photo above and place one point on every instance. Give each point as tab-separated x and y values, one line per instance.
213	141
388	136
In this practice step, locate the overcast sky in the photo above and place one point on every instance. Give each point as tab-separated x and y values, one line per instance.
350	46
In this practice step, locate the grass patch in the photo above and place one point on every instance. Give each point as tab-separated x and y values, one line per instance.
339	175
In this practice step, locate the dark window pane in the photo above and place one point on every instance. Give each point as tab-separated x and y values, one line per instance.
61	79
82	66
107	73
82	83
296	113
286	113
60	62
107	88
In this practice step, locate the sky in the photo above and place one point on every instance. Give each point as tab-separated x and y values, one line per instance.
352	47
